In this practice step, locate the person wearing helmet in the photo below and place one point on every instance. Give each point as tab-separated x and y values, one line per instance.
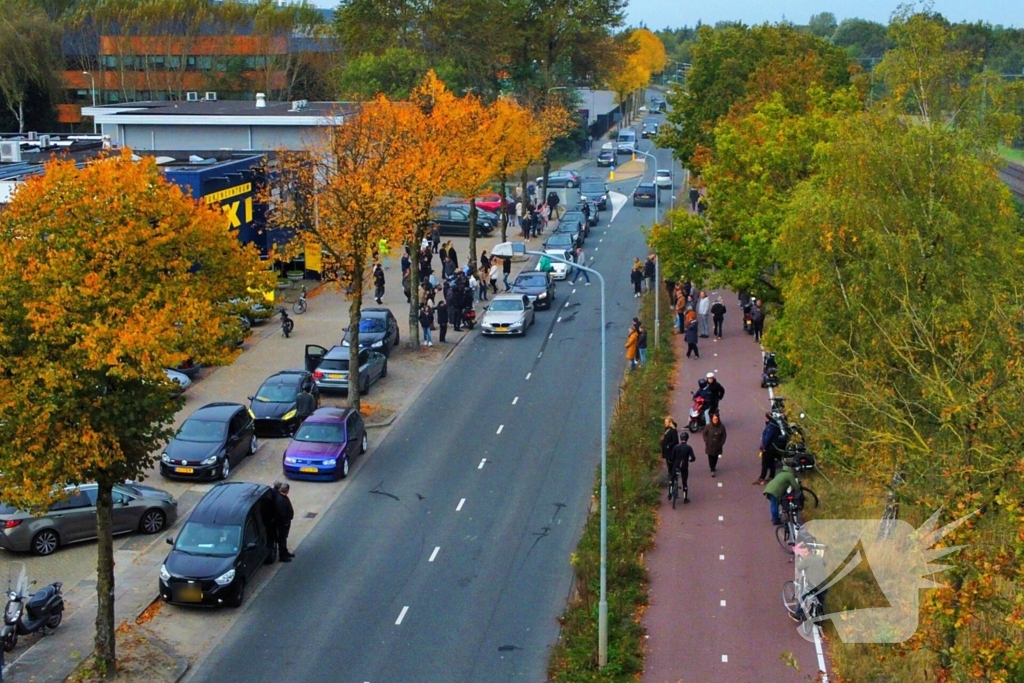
716	392
682	456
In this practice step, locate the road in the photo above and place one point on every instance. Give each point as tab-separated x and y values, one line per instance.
448	560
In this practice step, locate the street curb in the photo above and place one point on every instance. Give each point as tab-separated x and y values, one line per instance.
183	664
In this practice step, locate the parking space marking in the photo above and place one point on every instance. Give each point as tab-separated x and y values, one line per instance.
433	555
500	427
458	508
481	465
401	615
515	400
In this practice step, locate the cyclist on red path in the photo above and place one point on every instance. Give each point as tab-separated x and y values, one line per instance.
669	440
682	456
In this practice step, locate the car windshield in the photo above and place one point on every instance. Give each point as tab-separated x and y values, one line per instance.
506	305
219	540
276	393
560	239
662	172
530	280
203	431
592	188
571	216
371	325
321	432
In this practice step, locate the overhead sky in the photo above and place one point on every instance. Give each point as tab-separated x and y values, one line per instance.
657	14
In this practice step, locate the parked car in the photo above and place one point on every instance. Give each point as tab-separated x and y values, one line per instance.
595	212
453	221
561	270
229	534
606	157
210	442
136	508
179	381
508	313
560	241
330	367
644	194
539	287
274	403
487	202
561	179
596	191
325	444
378	330
576	224
663	178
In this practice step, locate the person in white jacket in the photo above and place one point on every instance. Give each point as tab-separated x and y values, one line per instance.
704	314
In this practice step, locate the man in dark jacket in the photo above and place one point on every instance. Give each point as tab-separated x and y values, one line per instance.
757	320
777	487
378	283
716	392
506	270
442	322
718	316
553	203
692	333
769	437
641	343
682	456
305	404
649	272
285	514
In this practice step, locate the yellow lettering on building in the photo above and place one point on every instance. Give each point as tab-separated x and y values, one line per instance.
230	192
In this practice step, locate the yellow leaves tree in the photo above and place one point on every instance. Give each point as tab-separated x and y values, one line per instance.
550	123
641	54
110	274
512	137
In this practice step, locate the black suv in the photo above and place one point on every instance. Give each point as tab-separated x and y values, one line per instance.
595	190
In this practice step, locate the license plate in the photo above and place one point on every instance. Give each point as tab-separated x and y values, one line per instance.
184	470
337	376
188	594
311	470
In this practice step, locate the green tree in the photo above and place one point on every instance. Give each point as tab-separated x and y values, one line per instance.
30	55
823	24
110	275
861	38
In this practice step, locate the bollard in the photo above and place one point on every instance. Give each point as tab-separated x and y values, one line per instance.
611	174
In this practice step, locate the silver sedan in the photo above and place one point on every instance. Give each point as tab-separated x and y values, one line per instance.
508	314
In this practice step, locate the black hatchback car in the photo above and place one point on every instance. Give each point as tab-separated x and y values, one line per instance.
574	223
453	221
644	194
538	286
378	330
218	550
210	442
606	158
274	404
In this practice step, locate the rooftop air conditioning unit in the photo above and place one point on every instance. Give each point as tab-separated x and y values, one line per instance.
10	150
211	96
44	142
192	96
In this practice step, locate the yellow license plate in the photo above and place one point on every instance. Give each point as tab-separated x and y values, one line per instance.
184	470
190	594
338	376
311	470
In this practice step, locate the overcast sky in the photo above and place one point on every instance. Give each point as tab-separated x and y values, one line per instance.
657	14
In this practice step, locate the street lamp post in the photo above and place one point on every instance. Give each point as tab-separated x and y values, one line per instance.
507	250
657	261
92	89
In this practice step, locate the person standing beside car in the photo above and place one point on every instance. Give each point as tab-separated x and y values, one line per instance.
285	514
305	404
442	322
378	283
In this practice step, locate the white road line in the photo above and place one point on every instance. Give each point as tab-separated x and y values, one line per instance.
719	483
500	427
721	557
551	336
596	248
458	508
540	354
398	622
601	240
720	517
528	375
721	603
725	659
481	465
560	320
515	400
574	291
433	555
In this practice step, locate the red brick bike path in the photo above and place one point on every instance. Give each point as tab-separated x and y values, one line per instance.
716	571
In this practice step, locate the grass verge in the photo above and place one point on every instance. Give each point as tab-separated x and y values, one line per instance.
1012	154
633	460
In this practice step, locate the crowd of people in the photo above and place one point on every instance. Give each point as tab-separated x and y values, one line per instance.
675	447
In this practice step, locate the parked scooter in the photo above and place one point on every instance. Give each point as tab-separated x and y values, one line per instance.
25	614
287	324
770	373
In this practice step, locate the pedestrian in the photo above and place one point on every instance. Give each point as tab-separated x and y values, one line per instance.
305	404
447	267
426	322
492	275
777	487
455	309
636	276
435	237
682	456
757	320
378	283
406	287
520	214
406	262
718	316
506	270
769	436
649	272
714	441
669	440
485	261
680	311
694	196
716	392
452	256
691	339
641	344
285	514
670	289
442	323
553	200
631	347
474	287
385	252
483	274
704	314
580	258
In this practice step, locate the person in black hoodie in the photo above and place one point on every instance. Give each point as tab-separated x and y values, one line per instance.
442	323
641	343
378	283
669	440
682	456
718	316
285	514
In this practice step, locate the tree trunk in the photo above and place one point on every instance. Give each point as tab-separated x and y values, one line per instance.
105	655
472	232
21	117
504	211
355	307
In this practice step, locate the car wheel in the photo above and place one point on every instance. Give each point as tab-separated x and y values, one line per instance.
253	445
239	597
225	469
384	370
364	445
570	184
344	468
271	557
153	521
364	386
45	542
397	339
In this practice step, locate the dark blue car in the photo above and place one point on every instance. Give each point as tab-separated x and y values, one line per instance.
538	286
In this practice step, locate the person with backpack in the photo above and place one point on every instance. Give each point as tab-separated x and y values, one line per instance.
682	456
777	487
769	438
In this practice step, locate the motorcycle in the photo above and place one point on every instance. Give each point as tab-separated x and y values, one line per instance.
26	614
469	318
770	373
287	324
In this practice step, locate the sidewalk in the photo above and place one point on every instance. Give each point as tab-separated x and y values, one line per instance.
138	558
716	571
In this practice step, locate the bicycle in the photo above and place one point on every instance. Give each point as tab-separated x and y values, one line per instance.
799	598
299	307
673	488
790	506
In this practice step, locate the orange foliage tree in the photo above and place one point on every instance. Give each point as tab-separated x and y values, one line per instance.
110	274
551	122
512	137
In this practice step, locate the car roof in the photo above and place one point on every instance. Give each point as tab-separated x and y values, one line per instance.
375	312
227	503
531	275
340	352
507	296
644	185
330	414
217	411
289	377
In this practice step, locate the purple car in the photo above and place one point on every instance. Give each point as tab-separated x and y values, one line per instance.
324	445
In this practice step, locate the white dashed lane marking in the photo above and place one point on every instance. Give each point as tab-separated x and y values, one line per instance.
528	375
482	463
458	508
401	615
515	400
500	427
433	555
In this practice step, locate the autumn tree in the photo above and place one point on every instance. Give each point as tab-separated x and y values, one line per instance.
512	137
345	191
110	274
640	55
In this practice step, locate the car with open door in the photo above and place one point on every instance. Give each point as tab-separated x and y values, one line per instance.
332	372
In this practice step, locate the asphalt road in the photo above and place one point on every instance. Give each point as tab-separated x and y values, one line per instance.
449	558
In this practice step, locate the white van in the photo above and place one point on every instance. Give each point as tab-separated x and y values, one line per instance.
626	141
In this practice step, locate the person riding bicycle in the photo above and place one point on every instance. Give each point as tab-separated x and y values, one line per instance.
777	487
669	440
682	456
